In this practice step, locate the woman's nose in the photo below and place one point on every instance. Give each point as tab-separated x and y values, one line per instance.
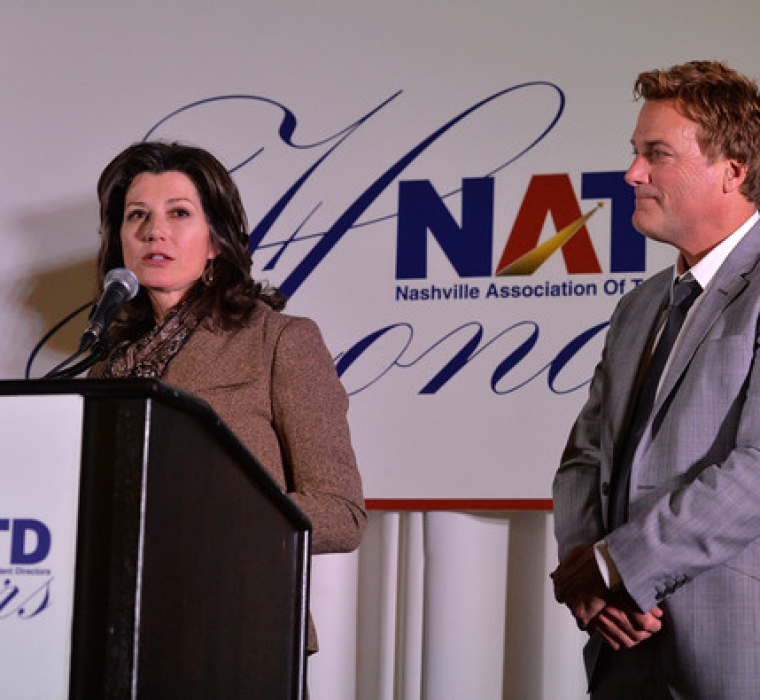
155	228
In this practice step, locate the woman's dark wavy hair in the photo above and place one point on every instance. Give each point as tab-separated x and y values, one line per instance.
227	302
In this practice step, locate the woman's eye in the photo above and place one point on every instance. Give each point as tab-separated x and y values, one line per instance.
135	215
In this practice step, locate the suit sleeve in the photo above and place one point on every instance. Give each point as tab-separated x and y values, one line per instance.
310	409
580	488
577	504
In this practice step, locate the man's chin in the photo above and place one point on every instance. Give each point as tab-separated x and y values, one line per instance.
640	225
646	226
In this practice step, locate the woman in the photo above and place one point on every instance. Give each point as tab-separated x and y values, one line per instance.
172	214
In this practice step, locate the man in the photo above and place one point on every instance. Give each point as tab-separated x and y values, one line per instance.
657	498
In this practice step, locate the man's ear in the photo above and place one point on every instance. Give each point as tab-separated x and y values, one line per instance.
734	175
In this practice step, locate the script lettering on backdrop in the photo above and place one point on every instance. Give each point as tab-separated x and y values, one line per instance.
469	247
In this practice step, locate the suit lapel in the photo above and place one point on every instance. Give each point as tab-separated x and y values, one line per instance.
729	281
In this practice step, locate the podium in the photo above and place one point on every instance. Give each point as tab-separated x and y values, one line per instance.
144	552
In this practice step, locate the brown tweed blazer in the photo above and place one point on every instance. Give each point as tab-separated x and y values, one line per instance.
274	384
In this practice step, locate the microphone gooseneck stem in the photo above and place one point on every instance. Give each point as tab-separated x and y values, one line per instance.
66	370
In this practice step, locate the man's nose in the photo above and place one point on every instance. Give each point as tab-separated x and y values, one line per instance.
638	172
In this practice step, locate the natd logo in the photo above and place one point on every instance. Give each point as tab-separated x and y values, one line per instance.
29	541
469	246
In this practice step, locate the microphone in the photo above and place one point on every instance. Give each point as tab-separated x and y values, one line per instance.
119	286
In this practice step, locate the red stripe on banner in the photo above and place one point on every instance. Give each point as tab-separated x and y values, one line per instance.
408	504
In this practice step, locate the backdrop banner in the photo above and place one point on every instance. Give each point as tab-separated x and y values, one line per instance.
440	186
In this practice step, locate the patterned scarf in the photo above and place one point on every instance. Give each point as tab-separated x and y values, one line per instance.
148	356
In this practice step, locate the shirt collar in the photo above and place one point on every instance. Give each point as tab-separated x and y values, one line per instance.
706	268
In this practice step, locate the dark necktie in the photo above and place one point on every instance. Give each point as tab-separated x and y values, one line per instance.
684	295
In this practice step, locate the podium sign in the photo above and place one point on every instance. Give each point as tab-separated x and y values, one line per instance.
144	552
39	490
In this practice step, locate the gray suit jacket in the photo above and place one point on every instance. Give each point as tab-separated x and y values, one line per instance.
692	542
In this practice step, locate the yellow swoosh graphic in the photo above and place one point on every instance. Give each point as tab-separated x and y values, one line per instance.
531	261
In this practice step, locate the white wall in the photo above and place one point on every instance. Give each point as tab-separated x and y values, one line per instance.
444	606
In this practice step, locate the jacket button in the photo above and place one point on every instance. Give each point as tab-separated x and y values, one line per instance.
605	489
